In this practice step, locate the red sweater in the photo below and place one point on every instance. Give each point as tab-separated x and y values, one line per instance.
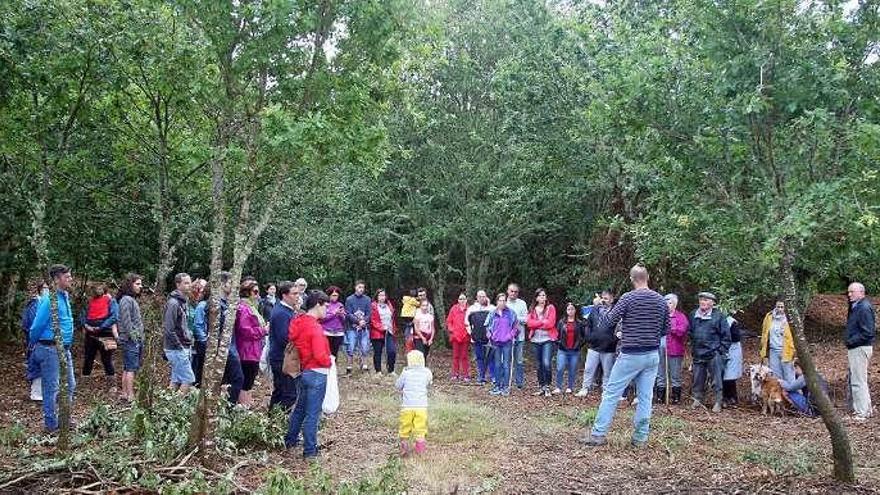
547	323
307	335
376	330
456	326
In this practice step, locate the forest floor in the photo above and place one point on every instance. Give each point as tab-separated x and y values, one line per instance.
525	444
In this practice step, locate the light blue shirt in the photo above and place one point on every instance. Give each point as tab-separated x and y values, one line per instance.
521	310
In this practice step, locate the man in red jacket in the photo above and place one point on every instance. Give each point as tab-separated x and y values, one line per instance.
308	337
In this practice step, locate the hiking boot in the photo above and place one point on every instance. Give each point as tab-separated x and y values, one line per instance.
676	395
404	448
421	446
593	440
717	407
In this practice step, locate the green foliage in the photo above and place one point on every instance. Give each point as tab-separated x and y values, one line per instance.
800	460
388	479
13	435
242	429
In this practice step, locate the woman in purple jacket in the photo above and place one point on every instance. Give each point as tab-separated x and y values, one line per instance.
502	328
250	333
334	323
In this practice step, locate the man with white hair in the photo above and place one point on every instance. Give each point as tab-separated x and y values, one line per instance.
860	335
643	316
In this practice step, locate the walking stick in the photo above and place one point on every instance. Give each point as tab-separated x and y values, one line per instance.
666	370
512	364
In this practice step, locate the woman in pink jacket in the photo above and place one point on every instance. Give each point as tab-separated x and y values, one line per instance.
250	333
541	324
675	343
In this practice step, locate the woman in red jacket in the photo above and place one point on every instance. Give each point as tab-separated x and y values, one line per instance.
541	323
383	331
460	339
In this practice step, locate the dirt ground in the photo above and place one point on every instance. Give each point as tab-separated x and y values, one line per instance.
525	444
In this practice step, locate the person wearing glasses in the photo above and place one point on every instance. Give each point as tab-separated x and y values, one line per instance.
861	332
250	330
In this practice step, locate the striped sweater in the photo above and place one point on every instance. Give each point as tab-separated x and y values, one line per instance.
643	315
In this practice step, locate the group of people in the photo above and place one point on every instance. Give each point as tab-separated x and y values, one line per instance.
635	345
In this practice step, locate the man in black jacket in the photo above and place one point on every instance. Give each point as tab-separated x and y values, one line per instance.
710	341
860	335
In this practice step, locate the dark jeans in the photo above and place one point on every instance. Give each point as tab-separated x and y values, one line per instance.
503	356
198	361
283	388
422	346
390	347
307	412
233	376
92	348
714	368
485	361
543	358
567	360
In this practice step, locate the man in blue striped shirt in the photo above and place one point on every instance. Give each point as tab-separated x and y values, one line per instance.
644	317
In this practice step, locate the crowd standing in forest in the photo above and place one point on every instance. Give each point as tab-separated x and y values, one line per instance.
637	343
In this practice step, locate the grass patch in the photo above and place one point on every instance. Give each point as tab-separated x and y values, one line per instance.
387	479
797	460
452	421
587	417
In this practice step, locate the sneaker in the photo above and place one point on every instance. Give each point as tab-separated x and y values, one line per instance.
568	391
556	391
454	378
591	440
638	444
635	401
481	382
404	448
495	391
421	446
582	393
364	367
393	375
538	393
466	381
505	392
546	392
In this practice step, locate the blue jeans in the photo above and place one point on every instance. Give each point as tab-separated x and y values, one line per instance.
132	354
357	342
46	363
307	413
485	361
566	360
640	369
783	371
502	365
543	359
519	374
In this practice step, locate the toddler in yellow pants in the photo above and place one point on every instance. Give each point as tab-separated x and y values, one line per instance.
413	384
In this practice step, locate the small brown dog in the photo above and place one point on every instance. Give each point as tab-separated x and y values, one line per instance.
771	396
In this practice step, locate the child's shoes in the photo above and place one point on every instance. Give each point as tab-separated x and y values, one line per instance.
404	448
421	446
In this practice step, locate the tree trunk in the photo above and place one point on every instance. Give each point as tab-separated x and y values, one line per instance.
146	379
840	445
470	267
437	281
483	272
63	392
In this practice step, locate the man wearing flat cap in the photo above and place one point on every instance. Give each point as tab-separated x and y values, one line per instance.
710	341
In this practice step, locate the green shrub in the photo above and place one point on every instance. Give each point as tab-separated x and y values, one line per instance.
241	428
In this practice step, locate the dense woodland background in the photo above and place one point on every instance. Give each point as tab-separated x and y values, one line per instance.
451	144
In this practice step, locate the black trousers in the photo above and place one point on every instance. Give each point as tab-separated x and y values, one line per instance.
422	346
233	376
335	344
283	388
92	348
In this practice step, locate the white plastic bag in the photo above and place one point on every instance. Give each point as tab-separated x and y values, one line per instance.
265	369
331	396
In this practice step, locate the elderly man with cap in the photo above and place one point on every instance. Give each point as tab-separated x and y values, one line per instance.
710	341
